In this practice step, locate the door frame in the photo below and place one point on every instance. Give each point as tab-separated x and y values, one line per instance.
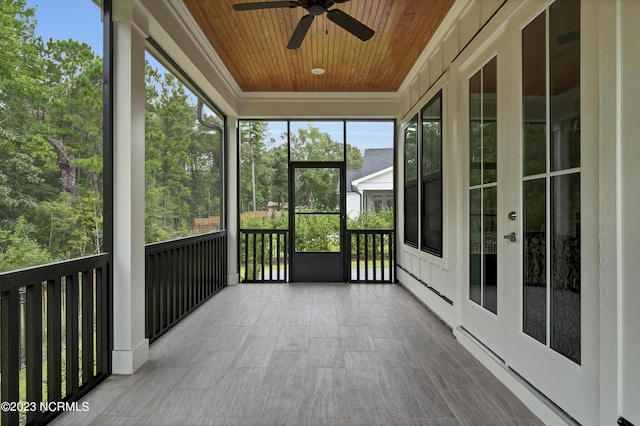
322	261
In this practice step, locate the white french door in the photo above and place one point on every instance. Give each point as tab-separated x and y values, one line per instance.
483	305
532	219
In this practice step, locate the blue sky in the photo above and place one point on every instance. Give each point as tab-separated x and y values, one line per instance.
81	20
363	134
63	19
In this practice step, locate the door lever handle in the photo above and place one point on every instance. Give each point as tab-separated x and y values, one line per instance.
511	237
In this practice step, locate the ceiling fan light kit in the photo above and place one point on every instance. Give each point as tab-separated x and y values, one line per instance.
315	8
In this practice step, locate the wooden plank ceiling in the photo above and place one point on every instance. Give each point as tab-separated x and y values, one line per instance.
252	44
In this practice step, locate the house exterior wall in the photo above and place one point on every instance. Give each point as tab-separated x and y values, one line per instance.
354	204
610	131
629	231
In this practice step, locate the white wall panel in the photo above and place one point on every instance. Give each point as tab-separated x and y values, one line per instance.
469	22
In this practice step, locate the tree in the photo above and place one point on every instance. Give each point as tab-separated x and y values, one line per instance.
253	140
170	119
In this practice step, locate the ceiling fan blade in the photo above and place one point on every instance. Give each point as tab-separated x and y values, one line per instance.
300	32
350	24
265	5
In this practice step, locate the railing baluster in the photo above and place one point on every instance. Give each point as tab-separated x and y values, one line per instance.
366	256
71	290
255	266
54	345
375	266
87	326
10	360
286	255
102	320
271	256
278	255
262	269
34	348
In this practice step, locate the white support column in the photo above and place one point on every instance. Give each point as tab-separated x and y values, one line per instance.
233	276
629	205
130	347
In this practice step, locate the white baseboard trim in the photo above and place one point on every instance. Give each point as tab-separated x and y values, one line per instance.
542	407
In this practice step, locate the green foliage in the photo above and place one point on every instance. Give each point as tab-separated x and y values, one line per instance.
317	233
280	221
19	250
382	219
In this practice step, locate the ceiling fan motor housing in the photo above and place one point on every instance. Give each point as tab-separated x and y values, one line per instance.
318	7
316	10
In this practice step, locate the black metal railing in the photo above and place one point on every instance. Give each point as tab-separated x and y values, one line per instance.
180	275
264	255
371	256
54	336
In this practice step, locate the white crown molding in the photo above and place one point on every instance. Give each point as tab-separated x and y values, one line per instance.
193	29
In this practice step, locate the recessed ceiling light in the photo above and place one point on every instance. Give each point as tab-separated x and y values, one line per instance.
317	71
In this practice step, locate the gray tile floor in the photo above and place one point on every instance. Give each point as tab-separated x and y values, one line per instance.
307	354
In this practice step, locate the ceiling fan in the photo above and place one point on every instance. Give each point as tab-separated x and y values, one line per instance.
315	8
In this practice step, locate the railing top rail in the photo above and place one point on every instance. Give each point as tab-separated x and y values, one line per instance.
180	242
21	277
370	231
265	231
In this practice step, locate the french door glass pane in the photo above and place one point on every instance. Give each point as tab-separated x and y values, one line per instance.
490	246
552	220
475	245
475	129
535	260
483	282
534	96
565	265
564	66
489	122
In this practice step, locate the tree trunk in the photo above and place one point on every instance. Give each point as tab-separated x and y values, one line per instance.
253	179
67	169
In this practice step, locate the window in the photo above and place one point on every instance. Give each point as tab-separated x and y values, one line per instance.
431	172
411	183
51	134
183	158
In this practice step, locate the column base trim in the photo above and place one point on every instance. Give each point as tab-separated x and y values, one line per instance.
129	361
233	279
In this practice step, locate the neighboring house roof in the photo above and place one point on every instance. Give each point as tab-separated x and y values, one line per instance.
375	160
351	176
